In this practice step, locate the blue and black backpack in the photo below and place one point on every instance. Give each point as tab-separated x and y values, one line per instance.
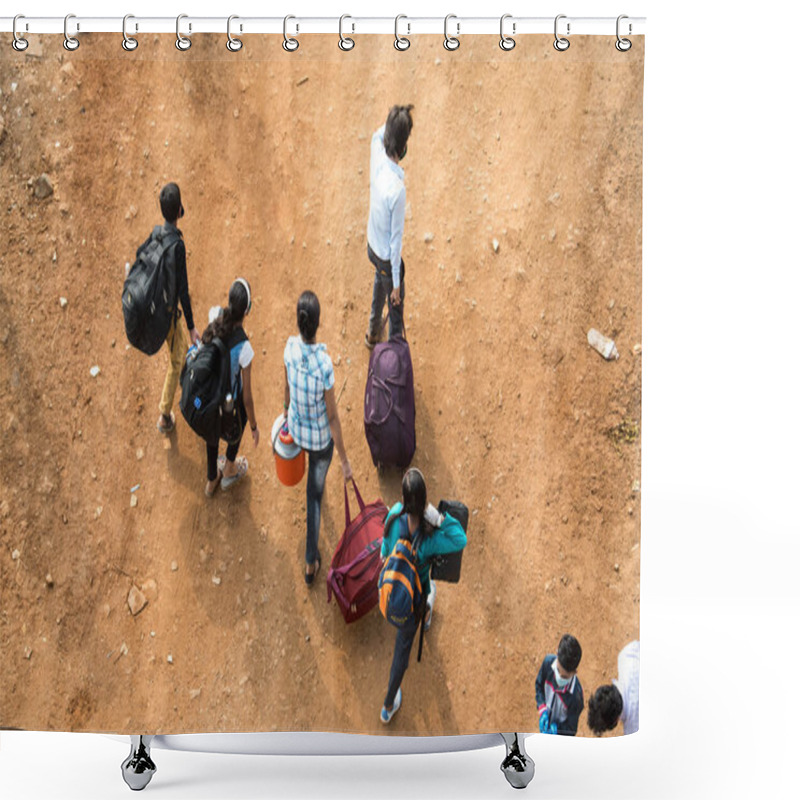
399	587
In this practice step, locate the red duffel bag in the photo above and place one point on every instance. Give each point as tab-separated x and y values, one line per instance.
356	564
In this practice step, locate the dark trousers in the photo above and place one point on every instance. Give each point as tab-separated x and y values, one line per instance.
212	453
402	650
318	463
381	291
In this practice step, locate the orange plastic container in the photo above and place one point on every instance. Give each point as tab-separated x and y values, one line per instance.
290	459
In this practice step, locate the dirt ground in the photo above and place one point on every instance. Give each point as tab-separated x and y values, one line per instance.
516	415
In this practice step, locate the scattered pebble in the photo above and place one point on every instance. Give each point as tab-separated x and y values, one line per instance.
15	555
94	371
194	693
43	187
169	658
554	198
28	653
637	349
174	566
136	600
428	238
495	245
134	501
302	80
216	580
139	454
49	580
616	567
62	301
123	649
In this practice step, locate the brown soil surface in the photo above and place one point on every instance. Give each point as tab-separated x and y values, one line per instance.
515	413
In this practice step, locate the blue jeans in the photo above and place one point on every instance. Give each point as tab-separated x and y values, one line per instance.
318	463
402	650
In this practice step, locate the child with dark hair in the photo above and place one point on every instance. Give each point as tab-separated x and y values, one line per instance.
559	695
618	700
309	406
387	213
437	534
226	324
174	259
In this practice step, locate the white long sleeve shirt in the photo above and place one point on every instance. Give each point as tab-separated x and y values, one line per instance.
387	206
628	685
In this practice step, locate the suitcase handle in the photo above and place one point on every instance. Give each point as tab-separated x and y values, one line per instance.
347	519
380	384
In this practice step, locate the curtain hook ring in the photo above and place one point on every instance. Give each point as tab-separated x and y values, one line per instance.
345	42
233	44
400	42
561	44
182	42
129	43
70	42
19	43
623	45
506	42
451	42
289	44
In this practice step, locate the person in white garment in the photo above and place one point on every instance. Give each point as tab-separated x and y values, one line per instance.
387	214
619	700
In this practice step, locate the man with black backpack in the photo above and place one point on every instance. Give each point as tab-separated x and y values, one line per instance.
173	260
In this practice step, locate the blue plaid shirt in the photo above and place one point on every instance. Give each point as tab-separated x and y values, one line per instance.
310	372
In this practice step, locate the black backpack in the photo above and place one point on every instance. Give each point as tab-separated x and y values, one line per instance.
149	301
205	382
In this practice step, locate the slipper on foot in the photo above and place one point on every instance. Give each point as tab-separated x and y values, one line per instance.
386	716
166	427
210	492
311	575
241	471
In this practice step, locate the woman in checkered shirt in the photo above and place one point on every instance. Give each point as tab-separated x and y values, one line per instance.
309	406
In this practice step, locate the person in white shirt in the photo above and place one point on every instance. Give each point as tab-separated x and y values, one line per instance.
387	212
620	699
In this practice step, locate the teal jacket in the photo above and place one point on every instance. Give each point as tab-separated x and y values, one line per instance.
449	537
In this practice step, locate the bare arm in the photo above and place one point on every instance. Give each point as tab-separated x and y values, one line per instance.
336	432
247	396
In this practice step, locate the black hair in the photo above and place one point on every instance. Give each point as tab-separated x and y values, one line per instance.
397	131
569	653
308	315
415	499
170	201
605	707
231	315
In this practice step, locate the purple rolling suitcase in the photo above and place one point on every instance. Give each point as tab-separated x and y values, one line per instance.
389	414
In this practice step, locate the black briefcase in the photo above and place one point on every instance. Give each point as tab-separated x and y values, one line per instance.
447	567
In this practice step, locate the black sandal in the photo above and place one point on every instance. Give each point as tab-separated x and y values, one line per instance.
311	575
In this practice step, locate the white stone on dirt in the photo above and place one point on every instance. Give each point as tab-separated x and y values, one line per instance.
48	579
15	555
94	371
139	454
174	566
428	238
63	302
194	693
216	580
28	653
136	600
134	501
495	245
169	658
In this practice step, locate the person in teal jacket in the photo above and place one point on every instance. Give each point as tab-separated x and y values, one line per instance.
440	534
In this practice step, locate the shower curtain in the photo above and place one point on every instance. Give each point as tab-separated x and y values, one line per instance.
132	602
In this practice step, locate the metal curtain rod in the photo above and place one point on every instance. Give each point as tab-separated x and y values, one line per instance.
407	26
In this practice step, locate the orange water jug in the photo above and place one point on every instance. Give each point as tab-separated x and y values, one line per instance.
290	459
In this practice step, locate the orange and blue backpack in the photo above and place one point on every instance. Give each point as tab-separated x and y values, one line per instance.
399	587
